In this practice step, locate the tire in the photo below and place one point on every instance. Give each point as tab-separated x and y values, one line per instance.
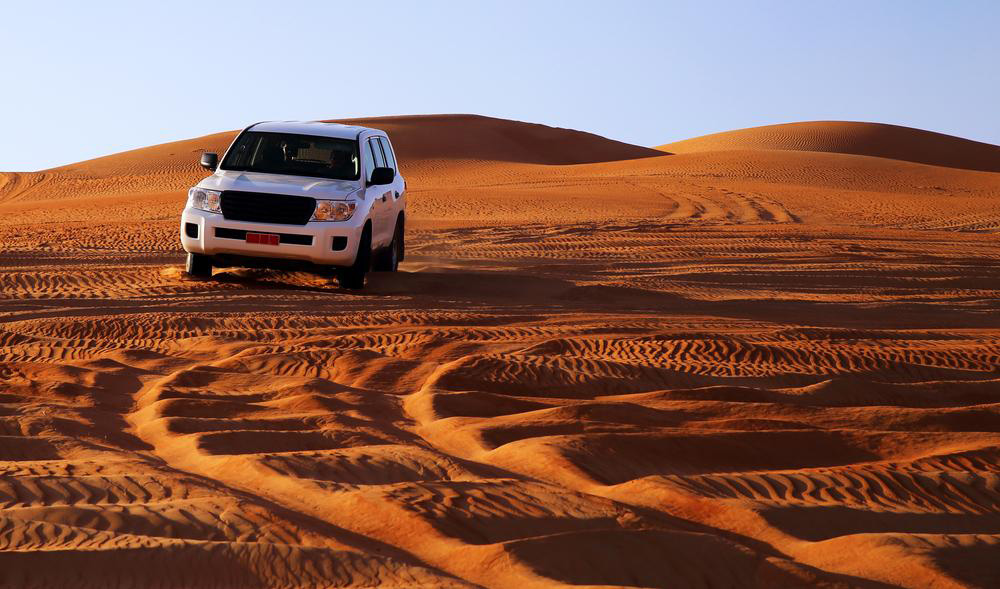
353	276
199	266
388	259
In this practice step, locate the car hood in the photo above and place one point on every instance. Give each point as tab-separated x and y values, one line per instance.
280	184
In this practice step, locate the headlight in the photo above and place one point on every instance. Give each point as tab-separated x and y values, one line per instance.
334	210
205	200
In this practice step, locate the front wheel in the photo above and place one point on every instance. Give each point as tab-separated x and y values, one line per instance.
198	265
353	276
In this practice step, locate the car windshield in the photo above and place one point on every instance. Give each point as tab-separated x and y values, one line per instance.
294	155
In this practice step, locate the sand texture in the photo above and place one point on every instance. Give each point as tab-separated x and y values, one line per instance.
767	358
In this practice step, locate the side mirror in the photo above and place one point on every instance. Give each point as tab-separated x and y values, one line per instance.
382	176
210	161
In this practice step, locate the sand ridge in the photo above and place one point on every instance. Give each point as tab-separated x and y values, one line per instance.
600	365
850	137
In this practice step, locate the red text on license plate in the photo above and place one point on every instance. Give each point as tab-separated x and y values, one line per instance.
263	238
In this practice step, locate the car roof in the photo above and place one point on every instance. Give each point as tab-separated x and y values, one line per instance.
318	128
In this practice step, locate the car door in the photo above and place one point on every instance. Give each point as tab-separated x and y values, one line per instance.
395	199
373	158
381	224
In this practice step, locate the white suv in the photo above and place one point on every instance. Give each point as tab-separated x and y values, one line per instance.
299	195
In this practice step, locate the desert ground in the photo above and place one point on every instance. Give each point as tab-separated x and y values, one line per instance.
762	358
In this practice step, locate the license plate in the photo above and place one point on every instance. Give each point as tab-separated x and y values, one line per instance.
263	238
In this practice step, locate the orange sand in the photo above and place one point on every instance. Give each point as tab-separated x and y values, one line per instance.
769	360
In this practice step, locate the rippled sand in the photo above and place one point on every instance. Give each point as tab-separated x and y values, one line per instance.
767	360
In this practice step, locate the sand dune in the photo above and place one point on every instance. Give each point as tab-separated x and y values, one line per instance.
770	360
419	140
465	137
871	139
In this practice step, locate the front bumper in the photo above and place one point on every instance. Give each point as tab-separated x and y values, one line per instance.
320	251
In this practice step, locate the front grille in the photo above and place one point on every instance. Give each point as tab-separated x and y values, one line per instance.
241	234
260	207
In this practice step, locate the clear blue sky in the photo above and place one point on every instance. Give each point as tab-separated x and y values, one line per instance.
84	79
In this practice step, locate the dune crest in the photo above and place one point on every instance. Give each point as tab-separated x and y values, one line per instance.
871	139
477	137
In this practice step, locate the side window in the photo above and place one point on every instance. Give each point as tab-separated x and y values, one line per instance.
379	158
369	158
390	158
